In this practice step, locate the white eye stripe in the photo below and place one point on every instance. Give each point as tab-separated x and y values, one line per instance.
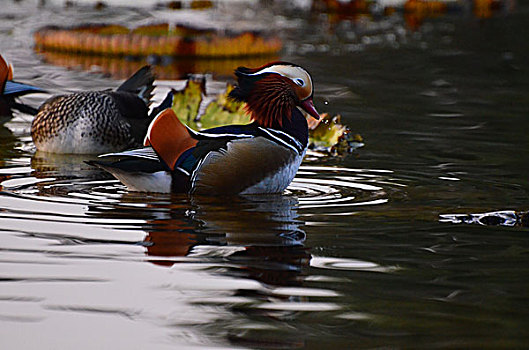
281	70
296	74
263	71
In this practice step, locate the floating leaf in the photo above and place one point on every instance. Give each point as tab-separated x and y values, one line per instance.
328	131
331	136
224	111
186	102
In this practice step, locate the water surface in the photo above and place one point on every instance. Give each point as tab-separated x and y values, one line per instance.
361	251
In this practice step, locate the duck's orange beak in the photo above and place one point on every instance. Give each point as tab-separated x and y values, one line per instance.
308	106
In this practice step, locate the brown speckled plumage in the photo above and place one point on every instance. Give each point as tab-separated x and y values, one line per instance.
94	121
87	117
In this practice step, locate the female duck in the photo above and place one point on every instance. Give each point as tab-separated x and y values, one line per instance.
261	157
96	121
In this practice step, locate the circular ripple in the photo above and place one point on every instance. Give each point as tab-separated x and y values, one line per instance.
337	190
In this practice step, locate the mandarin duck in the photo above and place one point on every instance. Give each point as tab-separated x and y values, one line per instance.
91	122
9	90
260	157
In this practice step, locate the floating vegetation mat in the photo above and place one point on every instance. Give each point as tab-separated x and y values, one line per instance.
199	111
160	39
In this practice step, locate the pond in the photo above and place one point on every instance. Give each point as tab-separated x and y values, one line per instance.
386	247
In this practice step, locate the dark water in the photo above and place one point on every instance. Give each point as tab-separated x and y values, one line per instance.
360	252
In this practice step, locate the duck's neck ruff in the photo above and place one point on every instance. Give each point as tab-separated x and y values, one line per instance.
271	100
269	96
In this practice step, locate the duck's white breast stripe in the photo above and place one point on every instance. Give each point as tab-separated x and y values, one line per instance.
195	171
218	135
300	146
278	139
183	170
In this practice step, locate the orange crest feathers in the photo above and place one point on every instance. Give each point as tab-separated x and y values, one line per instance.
272	99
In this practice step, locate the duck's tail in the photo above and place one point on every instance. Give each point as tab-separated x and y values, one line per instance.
141	84
15	89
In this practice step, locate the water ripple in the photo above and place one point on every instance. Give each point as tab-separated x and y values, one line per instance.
337	190
349	264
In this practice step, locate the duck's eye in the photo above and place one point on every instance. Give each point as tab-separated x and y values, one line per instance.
300	82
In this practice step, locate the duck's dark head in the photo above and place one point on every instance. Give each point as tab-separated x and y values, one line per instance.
273	91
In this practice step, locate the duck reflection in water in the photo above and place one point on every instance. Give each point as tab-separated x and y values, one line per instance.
60	174
257	238
260	234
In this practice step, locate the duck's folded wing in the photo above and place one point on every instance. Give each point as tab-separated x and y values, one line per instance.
240	165
142	160
144	152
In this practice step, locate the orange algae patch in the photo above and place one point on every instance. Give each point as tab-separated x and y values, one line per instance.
158	39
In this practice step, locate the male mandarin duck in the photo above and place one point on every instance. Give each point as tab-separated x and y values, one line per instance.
261	157
96	121
9	90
